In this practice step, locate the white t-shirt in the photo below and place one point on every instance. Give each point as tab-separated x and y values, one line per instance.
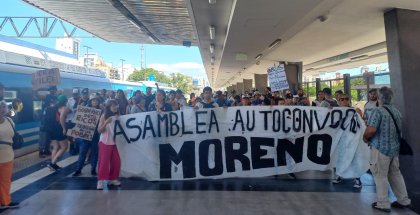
369	108
6	135
70	105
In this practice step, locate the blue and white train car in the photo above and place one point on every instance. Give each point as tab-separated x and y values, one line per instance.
16	75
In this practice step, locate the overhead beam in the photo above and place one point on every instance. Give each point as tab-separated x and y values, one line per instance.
133	19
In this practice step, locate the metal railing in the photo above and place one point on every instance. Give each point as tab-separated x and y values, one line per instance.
356	86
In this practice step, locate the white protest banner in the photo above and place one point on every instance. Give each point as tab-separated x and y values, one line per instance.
45	78
86	119
277	78
241	142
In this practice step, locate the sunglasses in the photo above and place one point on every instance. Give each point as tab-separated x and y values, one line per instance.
344	99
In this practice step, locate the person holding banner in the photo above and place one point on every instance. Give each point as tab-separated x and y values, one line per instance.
94	102
344	101
207	101
56	125
109	164
160	104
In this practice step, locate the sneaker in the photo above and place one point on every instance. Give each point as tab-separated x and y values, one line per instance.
398	205
115	183
337	180
375	206
57	166
11	205
357	183
77	173
292	176
52	167
100	185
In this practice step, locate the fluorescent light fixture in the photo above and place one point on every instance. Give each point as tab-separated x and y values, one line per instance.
212	1
361	57
212	32
258	56
212	60
274	43
241	57
212	48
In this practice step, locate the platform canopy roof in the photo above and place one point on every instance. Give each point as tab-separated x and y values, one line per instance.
240	38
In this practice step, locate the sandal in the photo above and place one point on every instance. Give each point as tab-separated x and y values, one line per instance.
375	206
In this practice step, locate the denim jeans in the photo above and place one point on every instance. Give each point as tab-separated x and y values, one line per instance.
44	142
83	150
386	171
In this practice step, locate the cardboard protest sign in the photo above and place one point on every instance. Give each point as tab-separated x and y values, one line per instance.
241	142
277	78
46	78
86	119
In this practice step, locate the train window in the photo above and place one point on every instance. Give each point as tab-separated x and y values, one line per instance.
37	110
10	95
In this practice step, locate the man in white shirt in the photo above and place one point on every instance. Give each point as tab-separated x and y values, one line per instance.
371	104
207	101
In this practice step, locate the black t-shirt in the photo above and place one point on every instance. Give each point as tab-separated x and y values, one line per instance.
49	99
149	100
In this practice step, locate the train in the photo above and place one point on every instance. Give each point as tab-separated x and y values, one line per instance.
16	75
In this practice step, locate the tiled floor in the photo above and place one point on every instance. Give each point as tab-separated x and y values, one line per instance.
44	192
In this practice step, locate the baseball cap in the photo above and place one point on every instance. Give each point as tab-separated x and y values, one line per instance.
61	98
85	91
52	88
75	90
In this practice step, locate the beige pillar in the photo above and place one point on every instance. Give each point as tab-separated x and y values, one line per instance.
247	85
260	81
240	87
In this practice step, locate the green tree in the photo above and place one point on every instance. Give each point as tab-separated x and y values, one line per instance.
143	75
182	82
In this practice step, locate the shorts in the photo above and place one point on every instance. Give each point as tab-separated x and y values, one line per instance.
57	134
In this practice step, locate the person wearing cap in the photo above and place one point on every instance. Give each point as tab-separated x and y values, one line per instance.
207	101
70	111
55	121
92	145
84	98
72	105
48	100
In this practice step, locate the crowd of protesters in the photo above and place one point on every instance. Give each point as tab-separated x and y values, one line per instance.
101	152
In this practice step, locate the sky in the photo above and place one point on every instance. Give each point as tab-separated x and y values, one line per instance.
169	59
